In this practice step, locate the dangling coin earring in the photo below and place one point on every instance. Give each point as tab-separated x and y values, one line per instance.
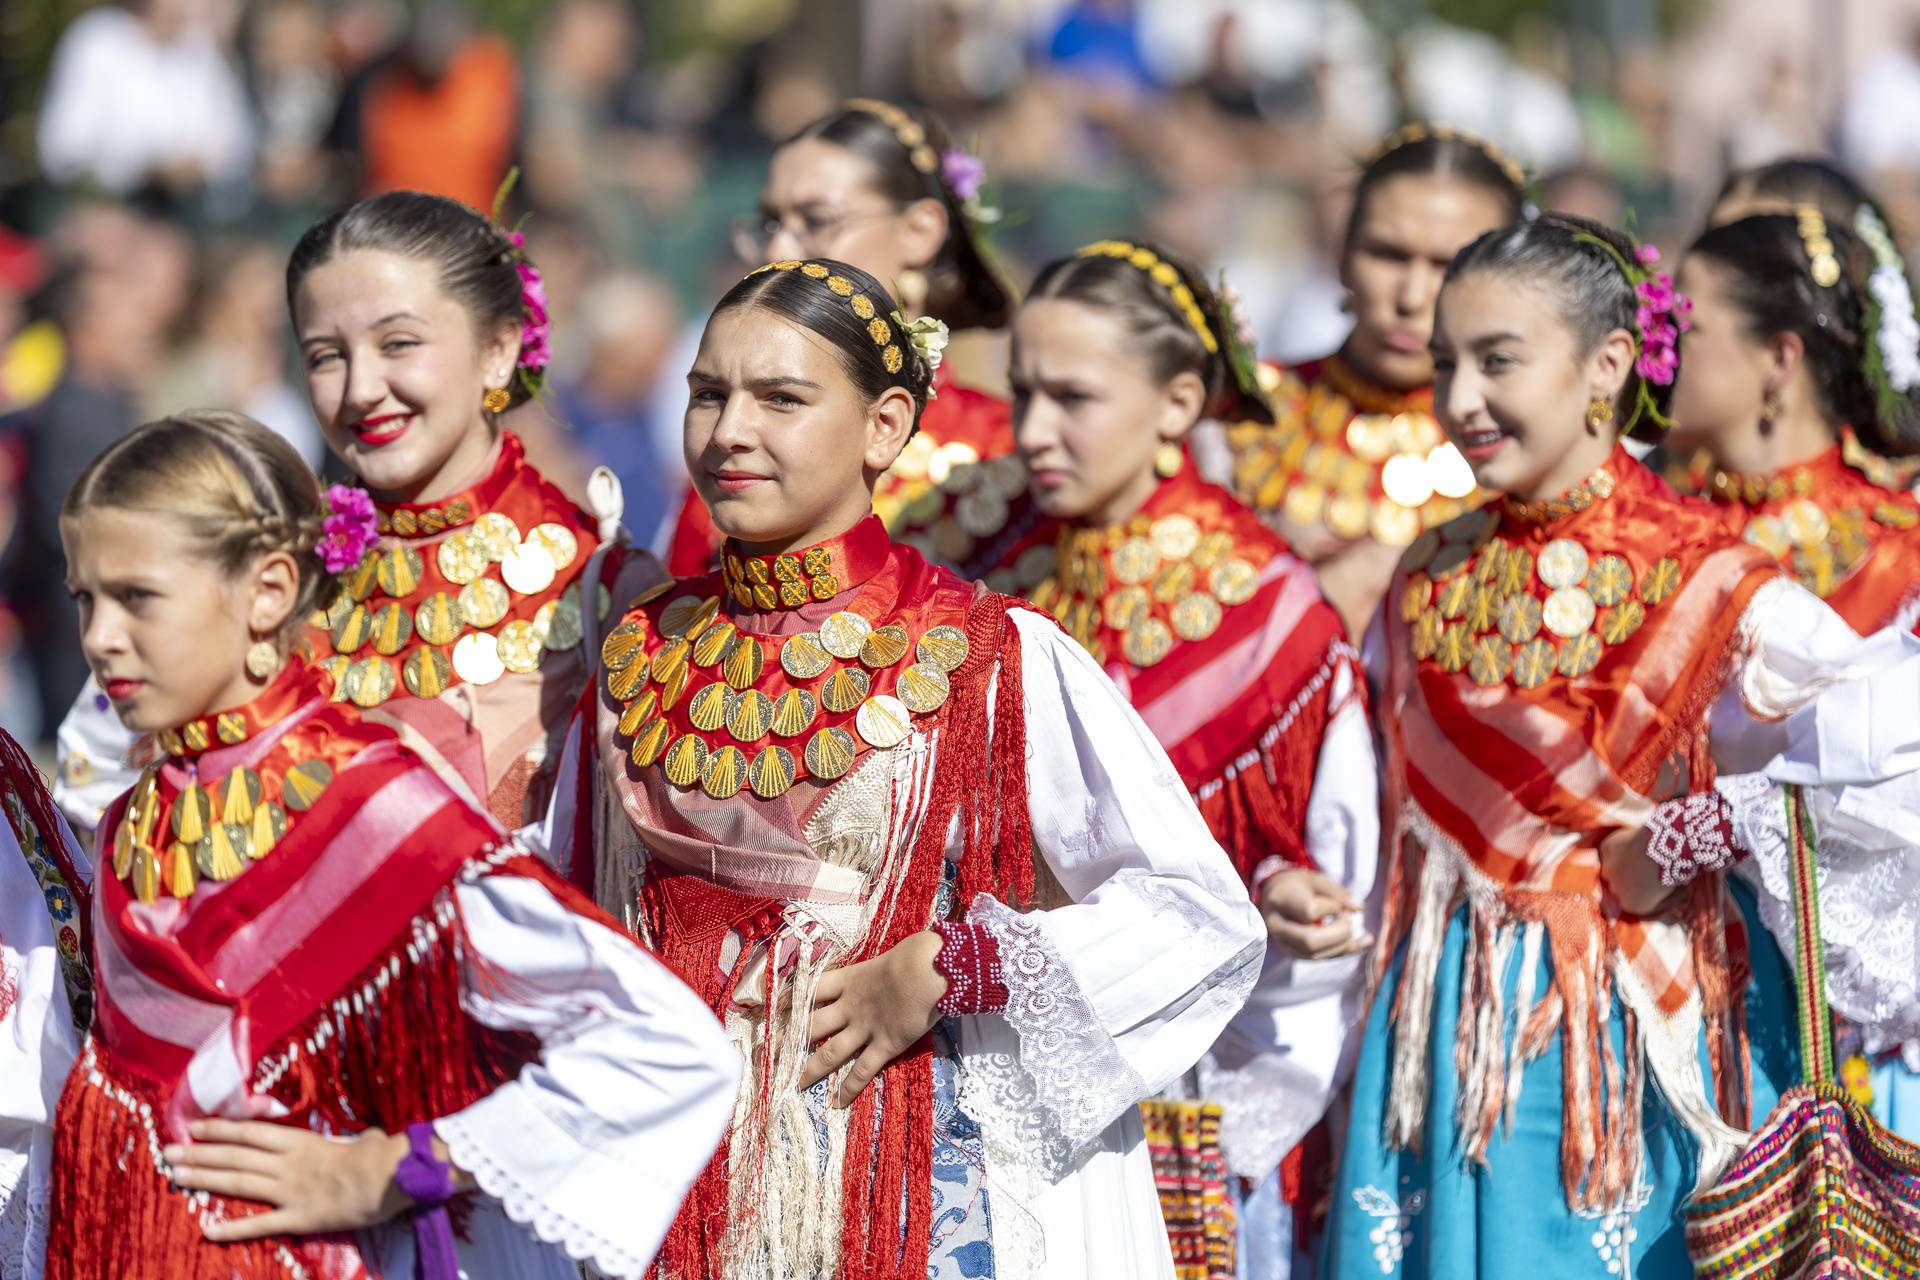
496	400
1771	411
1167	460
263	659
1599	413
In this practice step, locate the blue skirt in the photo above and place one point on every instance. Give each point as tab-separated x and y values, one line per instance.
1430	1213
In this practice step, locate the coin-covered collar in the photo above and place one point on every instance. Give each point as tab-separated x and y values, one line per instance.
1370	397
427	519
1597	487
296	683
793	579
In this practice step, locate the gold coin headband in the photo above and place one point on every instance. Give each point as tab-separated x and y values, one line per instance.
1164	274
1821	260
1407	135
877	327
912	135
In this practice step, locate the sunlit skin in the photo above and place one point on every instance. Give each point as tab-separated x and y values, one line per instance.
780	443
396	373
823	196
1727	378
1088	415
164	630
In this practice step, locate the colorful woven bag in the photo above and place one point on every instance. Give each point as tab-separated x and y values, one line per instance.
1823	1190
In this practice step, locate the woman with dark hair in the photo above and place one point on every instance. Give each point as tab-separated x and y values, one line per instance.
1592	693
885	189
1353	467
944	889
1783	185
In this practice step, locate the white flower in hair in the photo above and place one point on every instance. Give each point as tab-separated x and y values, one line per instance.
928	336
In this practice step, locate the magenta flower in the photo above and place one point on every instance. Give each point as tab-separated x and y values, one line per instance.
1663	315
536	331
1647	255
964	172
348	530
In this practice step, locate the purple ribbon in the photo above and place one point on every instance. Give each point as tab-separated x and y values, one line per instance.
428	1180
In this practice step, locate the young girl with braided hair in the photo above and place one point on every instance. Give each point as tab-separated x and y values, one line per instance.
331	994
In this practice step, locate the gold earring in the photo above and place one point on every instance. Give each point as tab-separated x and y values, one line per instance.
263	659
1168	459
1771	411
1599	412
496	400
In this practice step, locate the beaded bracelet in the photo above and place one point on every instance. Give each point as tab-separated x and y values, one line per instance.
1691	835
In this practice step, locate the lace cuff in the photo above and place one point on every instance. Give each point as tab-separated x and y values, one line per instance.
1266	869
1691	835
969	959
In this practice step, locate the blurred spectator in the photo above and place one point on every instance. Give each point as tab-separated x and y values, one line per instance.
296	91
142	95
440	113
586	50
31	350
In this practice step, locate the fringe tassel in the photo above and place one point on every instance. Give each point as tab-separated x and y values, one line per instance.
1413	1003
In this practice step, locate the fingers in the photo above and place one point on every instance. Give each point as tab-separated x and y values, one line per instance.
224	1156
871	1062
832	985
238	1184
274	1222
1318	941
832	1055
245	1133
827	1022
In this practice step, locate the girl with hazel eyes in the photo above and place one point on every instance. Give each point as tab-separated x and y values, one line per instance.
1584	799
885	189
1220	640
420	324
955	908
1353	467
324	979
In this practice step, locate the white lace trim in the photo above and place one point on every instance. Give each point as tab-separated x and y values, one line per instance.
23	1217
1267	1106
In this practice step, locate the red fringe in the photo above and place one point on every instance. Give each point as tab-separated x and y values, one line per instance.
1261	809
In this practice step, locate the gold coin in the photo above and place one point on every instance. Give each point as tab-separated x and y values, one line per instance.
756	571
1519	618
1214	548
528	568
1482	608
462	557
1568	611
816	560
336	668
1126	607
1533	663
763	595
1470	529
1453	596
1610	580
1174	580
518	647
559	541
924	688
1394	525
744	665
1770	535
668	659
793	712
144	879
830	753
943	647
1516	571
239	794
1233	581
329	619
1563	563
1135	560
223	854
370	682
498	534
192	813
438	619
268	830
951	543
772	772
399	570
360	579
1415	597
1035	566
301	789
673	686
623	645
1406	480
1371	436
1305	503
542	621
883	721
1147	643
1426	634
1420	552
981	514
1621	621
1895	516
622	683
1661	580
1579	655
1196	616
1349	515
885	646
1805	521
843	633
725	773
352	632
194	734
476	657
230	727
681	613
392	628
641	709
648	742
1486	565
750	715
1451	650
844	690
715	643
565	629
1449	560
1175	537
426	672
685	761
483	603
802	656
1489	659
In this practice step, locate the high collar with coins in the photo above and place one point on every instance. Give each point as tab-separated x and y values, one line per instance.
712	700
1822	517
1362	460
486	584
210	811
1136	589
1545	592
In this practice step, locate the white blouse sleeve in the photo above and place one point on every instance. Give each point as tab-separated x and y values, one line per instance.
94	750
1838	714
1116	994
592	1147
1277	1065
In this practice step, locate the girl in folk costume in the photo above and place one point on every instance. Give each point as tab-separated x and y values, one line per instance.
1353	467
45	993
301	934
885	189
1219	638
1562	677
956	909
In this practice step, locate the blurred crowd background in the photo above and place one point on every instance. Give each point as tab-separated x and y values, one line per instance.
159	157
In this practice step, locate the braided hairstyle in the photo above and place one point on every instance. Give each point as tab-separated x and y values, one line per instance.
1800	180
1434	151
819	295
237	488
1769	279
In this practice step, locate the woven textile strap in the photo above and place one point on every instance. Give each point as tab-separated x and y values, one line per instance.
1810	968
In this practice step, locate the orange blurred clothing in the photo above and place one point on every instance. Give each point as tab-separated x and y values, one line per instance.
452	138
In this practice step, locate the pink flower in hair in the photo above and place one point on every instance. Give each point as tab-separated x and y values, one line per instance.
1647	255
964	172
536	331
1663	315
348	530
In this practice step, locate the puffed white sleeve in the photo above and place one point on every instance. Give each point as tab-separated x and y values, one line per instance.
1818	706
96	760
1114	995
593	1146
1276	1066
